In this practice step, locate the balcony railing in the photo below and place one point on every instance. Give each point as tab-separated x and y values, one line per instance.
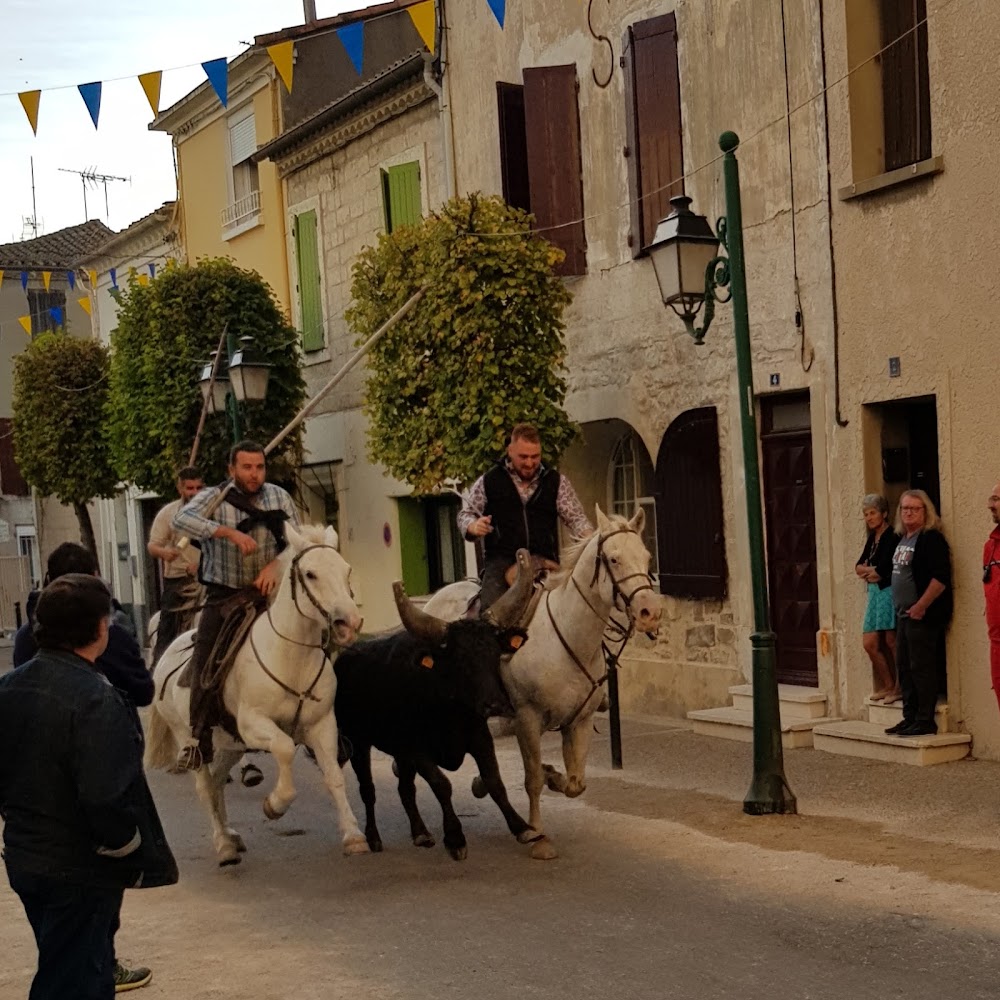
241	211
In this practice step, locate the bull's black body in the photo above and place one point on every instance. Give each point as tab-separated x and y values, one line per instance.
426	704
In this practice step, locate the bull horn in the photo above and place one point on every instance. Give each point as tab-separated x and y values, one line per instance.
506	611
418	623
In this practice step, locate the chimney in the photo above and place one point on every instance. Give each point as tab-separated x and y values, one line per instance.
309	9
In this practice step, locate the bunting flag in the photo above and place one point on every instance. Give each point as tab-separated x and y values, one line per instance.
283	57
71	278
93	278
46	279
57	314
152	270
114	277
143	279
499	8
24	281
352	37
217	71
91	94
151	88
25	322
422	15
29	101
84	303
1	277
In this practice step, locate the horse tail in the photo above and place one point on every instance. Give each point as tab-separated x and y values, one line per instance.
161	746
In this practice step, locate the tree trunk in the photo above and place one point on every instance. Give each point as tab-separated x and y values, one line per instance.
86	528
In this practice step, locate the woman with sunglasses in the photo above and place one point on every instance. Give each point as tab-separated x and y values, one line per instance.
991	588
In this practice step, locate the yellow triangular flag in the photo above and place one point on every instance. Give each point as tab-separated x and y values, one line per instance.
25	321
143	279
29	101
93	278
283	57
422	15
46	279
151	88
1	277
85	304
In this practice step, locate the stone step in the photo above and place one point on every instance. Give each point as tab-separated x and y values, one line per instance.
736	724
795	701
865	739
889	715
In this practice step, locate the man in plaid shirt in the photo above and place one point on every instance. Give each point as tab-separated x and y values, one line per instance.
240	544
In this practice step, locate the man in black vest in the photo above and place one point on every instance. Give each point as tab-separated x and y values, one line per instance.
518	504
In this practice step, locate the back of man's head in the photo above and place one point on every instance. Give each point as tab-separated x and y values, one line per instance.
70	611
70	558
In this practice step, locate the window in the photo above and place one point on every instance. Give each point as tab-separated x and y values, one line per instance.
631	487
689	511
27	546
308	280
319	492
889	85
654	145
12	483
540	157
40	306
244	206
401	195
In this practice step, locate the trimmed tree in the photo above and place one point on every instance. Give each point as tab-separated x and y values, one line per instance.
60	436
167	329
482	351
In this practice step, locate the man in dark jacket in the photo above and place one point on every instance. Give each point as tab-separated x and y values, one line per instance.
80	825
518	505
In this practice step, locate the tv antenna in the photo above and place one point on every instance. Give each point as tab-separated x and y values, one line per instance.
92	178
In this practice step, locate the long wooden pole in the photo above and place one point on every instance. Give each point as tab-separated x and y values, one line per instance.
208	396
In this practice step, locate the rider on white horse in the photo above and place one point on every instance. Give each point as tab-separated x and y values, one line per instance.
240	544
518	504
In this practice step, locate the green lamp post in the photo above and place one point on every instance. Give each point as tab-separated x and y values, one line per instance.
245	378
692	277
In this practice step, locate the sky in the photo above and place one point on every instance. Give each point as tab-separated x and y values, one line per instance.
62	43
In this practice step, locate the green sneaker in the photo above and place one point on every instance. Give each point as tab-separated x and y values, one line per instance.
130	979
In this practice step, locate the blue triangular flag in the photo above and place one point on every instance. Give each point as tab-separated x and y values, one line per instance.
91	94
24	280
352	36
114	277
217	71
152	270
499	8
57	314
71	278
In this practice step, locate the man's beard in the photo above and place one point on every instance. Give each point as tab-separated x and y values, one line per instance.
245	487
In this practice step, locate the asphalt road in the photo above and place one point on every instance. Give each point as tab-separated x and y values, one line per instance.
635	907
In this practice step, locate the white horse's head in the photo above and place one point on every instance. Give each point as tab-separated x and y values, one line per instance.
319	580
623	555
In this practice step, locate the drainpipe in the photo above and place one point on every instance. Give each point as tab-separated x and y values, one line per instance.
309	10
441	85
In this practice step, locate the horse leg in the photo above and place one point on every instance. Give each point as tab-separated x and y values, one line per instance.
406	773
224	762
321	738
481	747
576	745
211	792
454	837
259	731
361	761
528	727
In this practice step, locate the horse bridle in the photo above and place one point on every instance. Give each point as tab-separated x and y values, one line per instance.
617	593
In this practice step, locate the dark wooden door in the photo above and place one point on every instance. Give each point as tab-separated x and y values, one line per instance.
791	540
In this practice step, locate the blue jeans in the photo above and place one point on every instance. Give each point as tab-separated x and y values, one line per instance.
74	928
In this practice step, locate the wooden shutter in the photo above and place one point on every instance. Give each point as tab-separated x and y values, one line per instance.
906	99
689	508
401	190
413	546
653	119
309	281
242	139
513	145
555	164
12	483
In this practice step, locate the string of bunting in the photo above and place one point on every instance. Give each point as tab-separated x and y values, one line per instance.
352	37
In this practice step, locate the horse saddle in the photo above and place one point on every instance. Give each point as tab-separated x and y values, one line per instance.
474	606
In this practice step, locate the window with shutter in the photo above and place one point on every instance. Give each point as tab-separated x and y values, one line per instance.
906	97
654	145
689	508
40	306
242	139
245	204
513	146
401	195
309	280
555	163
12	483
632	487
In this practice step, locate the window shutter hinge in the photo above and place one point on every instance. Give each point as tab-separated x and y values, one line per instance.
621	61
626	152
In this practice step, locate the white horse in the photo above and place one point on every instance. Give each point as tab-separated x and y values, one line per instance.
280	689
556	681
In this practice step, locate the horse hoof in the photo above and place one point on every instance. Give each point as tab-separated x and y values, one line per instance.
574	788
529	836
459	853
238	843
229	859
355	845
251	775
269	811
543	850
374	844
479	787
423	840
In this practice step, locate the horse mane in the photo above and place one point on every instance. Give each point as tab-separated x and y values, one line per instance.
573	553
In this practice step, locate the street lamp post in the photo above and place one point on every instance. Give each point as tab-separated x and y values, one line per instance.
246	378
690	274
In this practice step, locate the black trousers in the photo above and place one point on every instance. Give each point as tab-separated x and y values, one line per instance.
172	621
74	929
206	710
917	655
492	584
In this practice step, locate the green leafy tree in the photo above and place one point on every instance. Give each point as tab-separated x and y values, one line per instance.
482	351
166	330
60	437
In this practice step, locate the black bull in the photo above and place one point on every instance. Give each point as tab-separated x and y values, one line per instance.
423	696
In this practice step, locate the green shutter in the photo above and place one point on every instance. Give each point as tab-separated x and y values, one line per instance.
401	190
310	302
413	546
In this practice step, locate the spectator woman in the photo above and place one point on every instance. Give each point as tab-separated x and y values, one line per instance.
875	568
921	593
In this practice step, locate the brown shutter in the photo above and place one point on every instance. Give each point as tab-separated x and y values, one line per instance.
905	83
689	508
12	483
555	163
513	145
653	118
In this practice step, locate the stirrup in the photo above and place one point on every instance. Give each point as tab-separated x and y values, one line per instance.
190	758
